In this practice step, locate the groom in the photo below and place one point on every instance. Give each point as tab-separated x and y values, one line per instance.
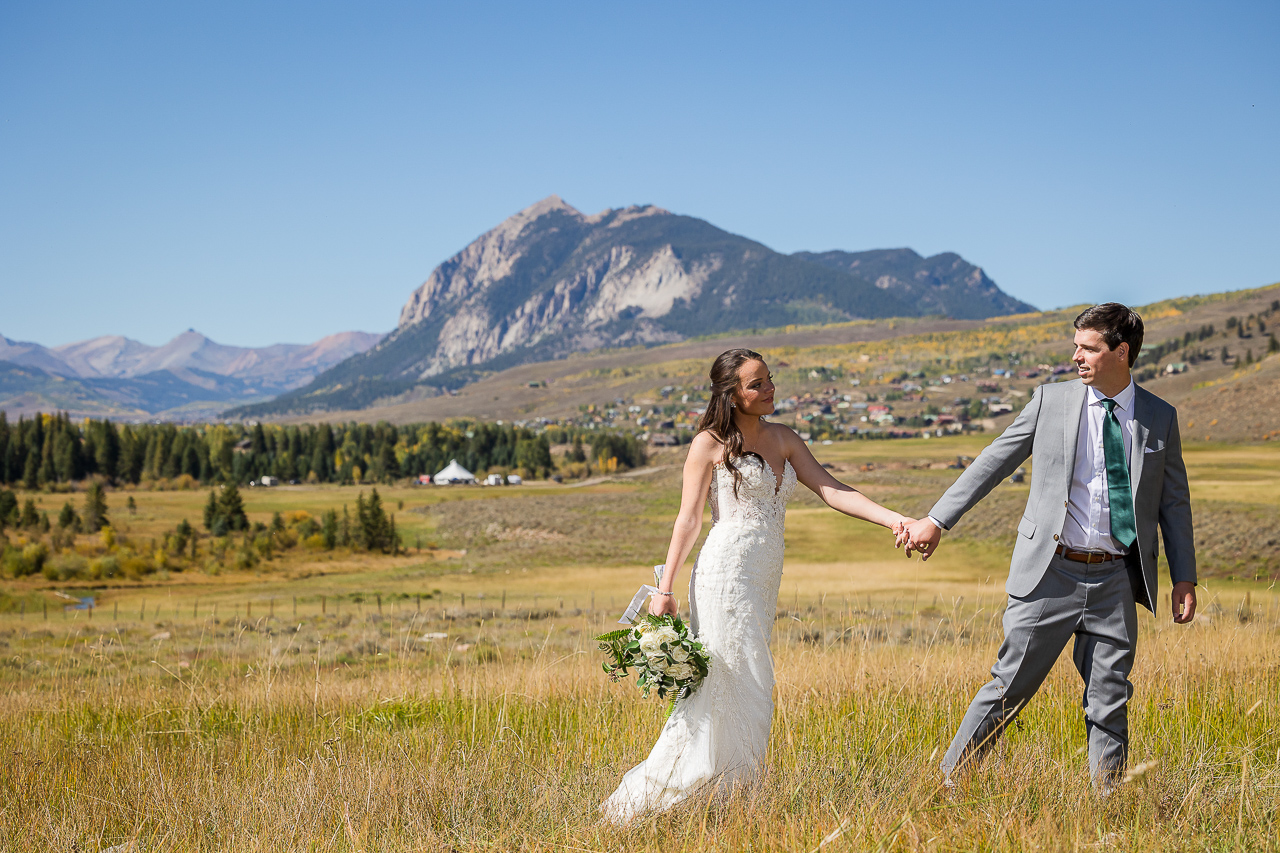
1107	471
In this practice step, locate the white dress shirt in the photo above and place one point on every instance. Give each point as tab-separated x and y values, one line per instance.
1088	524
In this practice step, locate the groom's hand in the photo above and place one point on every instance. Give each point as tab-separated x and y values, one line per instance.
1184	602
924	537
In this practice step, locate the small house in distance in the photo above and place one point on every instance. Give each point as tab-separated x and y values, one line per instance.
494	480
515	480
452	474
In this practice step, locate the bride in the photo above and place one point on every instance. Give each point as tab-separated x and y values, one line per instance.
718	735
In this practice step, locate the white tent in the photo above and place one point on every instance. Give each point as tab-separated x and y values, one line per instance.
453	473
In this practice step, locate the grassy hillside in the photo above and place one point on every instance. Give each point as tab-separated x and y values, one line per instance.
1223	401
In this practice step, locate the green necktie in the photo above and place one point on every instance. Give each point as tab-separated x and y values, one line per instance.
1123	528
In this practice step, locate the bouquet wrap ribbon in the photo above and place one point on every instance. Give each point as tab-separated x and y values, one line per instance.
637	600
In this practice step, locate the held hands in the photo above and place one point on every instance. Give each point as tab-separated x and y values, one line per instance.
919	535
899	530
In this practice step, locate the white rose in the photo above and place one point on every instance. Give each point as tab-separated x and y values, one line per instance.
681	671
651	644
679	654
666	634
659	663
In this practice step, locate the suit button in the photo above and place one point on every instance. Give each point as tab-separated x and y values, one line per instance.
1055	537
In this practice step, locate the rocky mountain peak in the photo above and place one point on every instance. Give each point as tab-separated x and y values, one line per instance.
549	281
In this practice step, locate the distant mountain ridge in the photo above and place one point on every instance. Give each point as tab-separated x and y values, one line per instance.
190	376
551	280
943	284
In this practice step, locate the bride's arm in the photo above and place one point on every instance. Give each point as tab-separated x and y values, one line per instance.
834	493
703	453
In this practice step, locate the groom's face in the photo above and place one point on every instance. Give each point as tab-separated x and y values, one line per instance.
1099	364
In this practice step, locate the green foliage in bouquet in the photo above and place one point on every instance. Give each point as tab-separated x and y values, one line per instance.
665	656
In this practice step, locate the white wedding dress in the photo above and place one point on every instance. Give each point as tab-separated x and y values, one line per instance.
718	735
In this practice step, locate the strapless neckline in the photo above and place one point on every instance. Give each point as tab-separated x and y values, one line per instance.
779	480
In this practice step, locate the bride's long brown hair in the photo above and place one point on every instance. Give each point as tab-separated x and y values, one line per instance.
718	418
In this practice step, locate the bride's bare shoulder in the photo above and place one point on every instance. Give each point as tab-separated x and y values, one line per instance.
783	434
705	448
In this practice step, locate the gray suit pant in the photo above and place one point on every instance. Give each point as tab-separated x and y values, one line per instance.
1095	604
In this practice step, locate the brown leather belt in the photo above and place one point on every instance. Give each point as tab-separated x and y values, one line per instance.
1086	556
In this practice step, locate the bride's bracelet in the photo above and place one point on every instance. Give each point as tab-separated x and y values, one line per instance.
660	592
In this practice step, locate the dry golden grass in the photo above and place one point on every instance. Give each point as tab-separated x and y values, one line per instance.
304	707
351	734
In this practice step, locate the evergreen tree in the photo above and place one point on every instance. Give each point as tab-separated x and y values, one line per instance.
182	535
95	507
30	517
8	509
258	441
329	529
373	528
31	470
211	510
67	517
231	508
107	450
388	469
362	528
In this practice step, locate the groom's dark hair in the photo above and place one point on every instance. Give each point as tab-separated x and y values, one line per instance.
1118	324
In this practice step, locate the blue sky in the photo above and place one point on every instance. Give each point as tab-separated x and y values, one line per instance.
270	172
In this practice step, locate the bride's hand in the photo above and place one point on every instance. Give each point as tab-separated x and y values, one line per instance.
901	536
663	605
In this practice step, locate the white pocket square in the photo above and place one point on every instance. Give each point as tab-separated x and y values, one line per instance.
1151	449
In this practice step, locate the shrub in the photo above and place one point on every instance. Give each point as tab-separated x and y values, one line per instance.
35	555
65	567
133	566
104	567
15	564
307	527
244	557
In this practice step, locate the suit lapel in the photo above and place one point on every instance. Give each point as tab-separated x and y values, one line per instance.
1072	405
1141	421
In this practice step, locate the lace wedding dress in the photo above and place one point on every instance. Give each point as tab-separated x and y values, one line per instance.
719	734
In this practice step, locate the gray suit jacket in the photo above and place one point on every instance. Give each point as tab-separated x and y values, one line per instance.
1047	429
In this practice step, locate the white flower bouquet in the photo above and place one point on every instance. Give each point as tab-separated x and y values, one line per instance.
663	653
